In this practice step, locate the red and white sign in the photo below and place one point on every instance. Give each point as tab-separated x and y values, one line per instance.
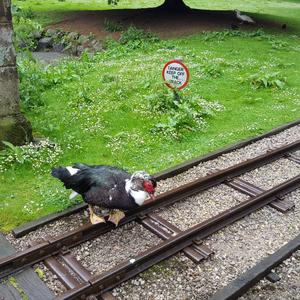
176	74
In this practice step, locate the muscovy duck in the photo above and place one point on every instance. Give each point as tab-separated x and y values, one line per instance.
243	18
107	187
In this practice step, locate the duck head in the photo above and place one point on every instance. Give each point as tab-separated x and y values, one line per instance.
140	186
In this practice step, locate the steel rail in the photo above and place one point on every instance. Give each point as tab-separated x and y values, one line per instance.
52	246
177	169
244	282
130	268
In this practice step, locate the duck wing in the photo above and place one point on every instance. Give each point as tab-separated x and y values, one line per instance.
115	197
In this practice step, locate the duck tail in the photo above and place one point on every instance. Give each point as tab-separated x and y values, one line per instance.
61	173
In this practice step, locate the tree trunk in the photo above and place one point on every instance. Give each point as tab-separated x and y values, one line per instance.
174	5
14	127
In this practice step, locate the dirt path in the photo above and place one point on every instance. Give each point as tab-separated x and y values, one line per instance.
165	24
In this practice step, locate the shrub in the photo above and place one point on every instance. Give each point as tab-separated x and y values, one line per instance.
210	70
266	80
26	30
184	114
26	33
136	38
35	79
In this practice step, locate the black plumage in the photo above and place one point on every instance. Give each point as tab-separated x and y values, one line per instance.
101	185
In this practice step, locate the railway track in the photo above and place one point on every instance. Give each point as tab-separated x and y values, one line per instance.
55	252
171	172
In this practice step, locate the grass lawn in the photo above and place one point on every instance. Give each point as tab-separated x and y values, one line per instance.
101	110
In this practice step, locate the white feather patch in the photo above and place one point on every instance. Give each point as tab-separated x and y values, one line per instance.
127	185
72	170
139	196
73	195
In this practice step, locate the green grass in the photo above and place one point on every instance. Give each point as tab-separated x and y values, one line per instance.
273	10
50	11
98	110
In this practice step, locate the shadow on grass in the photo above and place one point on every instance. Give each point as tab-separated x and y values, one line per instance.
165	23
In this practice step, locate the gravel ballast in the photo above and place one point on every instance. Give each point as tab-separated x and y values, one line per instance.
227	160
237	248
288	287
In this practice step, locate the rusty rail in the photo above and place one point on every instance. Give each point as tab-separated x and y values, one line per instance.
54	245
130	268
30	226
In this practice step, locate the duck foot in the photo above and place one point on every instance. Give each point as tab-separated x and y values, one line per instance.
116	216
94	218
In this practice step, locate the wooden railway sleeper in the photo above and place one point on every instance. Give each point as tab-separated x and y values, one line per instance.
165	230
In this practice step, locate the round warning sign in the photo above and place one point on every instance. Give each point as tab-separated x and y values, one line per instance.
176	74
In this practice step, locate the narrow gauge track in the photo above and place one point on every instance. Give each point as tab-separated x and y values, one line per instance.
99	284
175	240
170	172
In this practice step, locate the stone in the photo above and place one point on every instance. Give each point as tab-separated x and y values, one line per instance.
83	39
45	43
80	50
73	35
97	46
50	32
7	52
36	34
15	129
58	47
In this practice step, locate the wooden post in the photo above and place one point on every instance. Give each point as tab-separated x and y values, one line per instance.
13	125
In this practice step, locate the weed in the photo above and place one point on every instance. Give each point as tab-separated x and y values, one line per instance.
222	35
278	45
136	38
113	2
185	114
13	281
266	80
36	155
35	79
210	70
107	78
26	30
111	26
18	12
40	272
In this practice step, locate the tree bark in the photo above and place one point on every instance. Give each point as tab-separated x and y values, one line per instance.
14	127
175	5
